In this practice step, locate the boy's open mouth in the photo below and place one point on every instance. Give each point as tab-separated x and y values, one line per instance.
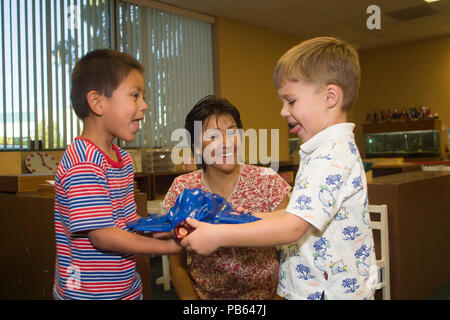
294	127
292	124
136	124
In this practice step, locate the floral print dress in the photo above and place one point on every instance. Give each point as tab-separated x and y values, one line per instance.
237	273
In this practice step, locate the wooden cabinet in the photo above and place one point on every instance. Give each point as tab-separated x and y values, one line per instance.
23	182
419	219
156	184
28	246
380	169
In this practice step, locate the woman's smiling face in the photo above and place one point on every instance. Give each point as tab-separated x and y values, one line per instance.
220	142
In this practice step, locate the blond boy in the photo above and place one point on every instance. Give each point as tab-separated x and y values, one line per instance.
329	252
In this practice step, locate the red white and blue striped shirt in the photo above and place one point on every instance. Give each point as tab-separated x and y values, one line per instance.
93	191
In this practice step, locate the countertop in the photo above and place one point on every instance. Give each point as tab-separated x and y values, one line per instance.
407	177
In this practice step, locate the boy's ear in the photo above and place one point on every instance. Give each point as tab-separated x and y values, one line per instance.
94	100
334	95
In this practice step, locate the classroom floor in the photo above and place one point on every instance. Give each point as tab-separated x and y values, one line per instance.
443	293
158	292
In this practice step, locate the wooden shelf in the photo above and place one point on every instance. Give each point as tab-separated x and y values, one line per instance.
396	126
23	182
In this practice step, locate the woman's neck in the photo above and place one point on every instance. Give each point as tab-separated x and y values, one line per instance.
221	182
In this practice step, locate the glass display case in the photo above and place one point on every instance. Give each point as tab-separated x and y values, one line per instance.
408	139
411	144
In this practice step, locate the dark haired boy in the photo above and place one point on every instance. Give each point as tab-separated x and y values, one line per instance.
94	185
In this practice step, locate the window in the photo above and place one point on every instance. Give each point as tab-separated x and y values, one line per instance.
40	42
177	54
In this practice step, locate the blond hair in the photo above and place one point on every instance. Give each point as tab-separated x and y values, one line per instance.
322	61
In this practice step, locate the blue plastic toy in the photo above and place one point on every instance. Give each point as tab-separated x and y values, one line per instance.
193	203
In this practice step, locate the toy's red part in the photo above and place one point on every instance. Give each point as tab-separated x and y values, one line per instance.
182	230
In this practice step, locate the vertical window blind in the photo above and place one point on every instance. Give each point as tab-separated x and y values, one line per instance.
177	54
40	42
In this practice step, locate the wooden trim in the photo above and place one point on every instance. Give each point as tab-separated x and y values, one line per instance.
216	60
23	182
173	9
395	126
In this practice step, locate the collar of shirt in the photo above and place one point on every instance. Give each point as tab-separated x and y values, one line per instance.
330	133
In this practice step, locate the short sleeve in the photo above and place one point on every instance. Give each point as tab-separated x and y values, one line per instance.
277	188
320	188
88	198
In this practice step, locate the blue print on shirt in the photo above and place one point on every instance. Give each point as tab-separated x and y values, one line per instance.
315	296
303	272
362	252
351	233
334	180
301	183
326	197
342	214
352	147
322	245
302	202
361	255
320	256
351	284
357	183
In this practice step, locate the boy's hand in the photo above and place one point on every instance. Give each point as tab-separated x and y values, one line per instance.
203	240
238	211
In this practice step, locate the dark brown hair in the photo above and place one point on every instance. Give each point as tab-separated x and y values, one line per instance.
203	110
102	70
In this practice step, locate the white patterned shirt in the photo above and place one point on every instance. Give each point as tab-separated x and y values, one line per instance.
336	255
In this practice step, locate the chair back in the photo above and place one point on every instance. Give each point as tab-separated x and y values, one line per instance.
383	262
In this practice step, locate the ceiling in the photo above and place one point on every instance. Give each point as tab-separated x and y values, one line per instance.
345	19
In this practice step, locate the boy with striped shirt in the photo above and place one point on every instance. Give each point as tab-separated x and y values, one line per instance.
94	185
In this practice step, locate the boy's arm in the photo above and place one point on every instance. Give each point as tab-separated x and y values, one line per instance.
275	213
121	241
90	210
283	229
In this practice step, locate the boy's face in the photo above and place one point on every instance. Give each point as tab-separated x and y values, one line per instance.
125	108
304	107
